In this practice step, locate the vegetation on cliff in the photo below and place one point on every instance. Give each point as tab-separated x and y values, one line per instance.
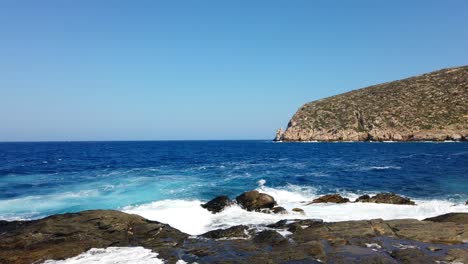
432	106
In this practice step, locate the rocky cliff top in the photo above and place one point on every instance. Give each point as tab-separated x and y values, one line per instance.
432	106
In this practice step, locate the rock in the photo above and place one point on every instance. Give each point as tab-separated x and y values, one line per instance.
406	240
457	255
411	255
390	111
279	135
388	198
254	201
431	248
330	198
279	210
217	204
298	210
269	237
235	232
67	235
459	218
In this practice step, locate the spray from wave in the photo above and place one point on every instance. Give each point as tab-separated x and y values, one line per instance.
189	217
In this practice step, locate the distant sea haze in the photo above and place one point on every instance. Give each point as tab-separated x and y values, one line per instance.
168	180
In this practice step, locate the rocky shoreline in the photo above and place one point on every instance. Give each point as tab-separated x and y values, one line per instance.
441	239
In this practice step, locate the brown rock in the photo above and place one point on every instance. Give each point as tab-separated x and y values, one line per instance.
459	218
330	198
388	198
279	210
254	201
217	204
298	210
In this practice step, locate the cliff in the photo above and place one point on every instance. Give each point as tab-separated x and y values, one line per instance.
432	106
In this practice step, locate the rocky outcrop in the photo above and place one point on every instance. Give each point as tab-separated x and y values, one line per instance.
235	232
432	107
217	204
279	135
287	241
450	217
330	198
387	198
67	235
255	201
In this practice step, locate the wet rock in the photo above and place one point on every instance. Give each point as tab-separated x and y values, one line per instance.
67	235
298	210
254	201
235	232
460	218
410	240
431	248
269	237
387	198
217	204
411	255
279	210
457	255
330	198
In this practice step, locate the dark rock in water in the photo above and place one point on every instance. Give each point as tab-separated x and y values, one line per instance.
459	218
298	210
235	232
269	237
279	210
330	198
217	204
254	201
387	198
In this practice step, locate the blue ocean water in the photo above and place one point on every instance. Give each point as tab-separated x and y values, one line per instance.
39	179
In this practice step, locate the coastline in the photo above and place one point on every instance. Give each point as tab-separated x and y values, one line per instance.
443	239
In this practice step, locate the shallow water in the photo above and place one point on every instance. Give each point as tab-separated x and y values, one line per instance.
166	181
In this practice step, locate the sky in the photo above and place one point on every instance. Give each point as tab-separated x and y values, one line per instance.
182	70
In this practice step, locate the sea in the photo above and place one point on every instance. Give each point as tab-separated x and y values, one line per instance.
167	181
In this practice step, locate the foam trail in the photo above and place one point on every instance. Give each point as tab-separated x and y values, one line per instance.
191	218
113	255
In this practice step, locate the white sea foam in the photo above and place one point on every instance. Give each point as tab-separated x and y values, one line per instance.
190	217
113	255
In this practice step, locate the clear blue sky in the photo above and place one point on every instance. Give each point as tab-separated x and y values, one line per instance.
118	70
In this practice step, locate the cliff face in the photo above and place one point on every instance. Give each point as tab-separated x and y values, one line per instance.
432	106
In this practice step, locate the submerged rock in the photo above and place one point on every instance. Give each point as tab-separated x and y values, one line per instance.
217	204
298	210
330	198
279	210
255	201
387	198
